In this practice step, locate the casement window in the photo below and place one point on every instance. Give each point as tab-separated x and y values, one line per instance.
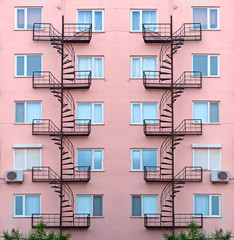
26	17
89	204
141	111
27	156
208	112
141	158
25	112
208	17
139	17
144	204
93	64
207	64
26	205
94	17
140	64
207	156
208	205
25	65
92	158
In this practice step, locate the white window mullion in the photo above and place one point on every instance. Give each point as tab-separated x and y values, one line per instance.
92	207
24	205
142	205
210	205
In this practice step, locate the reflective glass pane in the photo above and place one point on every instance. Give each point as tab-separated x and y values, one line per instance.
19	113
200	16
200	111
33	16
84	158
20	66
136	21
98	21
33	64
20	18
200	63
213	65
98	113
136	113
136	206
97	206
18	205
202	204
98	159
215	205
214	112
136	158
213	18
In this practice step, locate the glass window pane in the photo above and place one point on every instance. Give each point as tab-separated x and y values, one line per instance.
202	204
136	113
97	206
20	66
32	204
84	64
20	18
136	158
18	205
200	64
215	205
136	21
200	111
149	111
214	65
98	113
200	16
33	64
214	112
215	159
149	64
201	158
98	21
19	159
84	111
85	17
33	16
136	206
33	158
33	111
136	68
150	205
213	18
84	205
149	158
84	158
19	113
98	67
98	159
149	17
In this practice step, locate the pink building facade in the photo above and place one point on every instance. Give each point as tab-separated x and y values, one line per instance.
119	151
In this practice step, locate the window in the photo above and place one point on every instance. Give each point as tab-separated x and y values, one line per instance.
208	112
141	111
93	64
92	111
94	17
26	205
139	17
207	64
208	205
92	158
144	204
90	204
140	64
26	156
26	17
207	156
25	112
208	17
144	158
25	65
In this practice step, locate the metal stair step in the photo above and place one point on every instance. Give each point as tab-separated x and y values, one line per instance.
165	67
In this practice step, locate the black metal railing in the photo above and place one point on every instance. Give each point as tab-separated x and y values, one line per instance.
189	174
189	32
53	220
152	174
44	127
189	127
181	220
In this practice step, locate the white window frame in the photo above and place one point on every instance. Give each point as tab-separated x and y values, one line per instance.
208	160
93	150
23	195
210	205
141	159
141	110
208	18
94	195
136	10
141	65
25	17
92	70
139	195
93	18
93	103
208	110
25	156
25	111
208	64
25	64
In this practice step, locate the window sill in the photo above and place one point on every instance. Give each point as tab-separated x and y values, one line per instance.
22	123
209	216
134	171
93	216
26	216
92	171
23	77
211	30
140	217
211	77
211	123
23	29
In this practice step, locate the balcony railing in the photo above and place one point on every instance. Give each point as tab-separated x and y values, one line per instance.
53	220
154	127
181	220
78	127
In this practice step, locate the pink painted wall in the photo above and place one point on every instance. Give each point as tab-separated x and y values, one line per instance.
116	90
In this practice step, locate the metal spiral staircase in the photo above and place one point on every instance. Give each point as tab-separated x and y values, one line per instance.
165	125
69	126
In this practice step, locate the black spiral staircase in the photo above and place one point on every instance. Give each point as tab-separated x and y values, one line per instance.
69	126
165	125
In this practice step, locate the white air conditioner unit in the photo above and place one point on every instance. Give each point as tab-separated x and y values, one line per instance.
15	176
219	176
